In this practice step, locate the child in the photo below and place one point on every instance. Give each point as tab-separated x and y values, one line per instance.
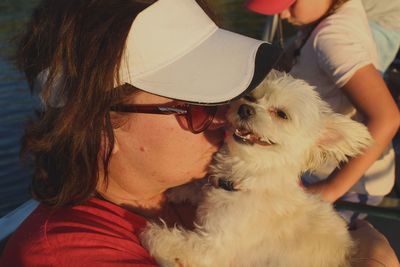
338	56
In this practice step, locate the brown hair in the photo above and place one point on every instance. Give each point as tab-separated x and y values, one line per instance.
80	43
83	41
335	5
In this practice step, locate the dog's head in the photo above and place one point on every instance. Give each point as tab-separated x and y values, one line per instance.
285	122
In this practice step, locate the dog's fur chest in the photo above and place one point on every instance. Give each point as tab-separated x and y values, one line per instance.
269	228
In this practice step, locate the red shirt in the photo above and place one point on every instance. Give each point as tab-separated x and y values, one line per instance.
97	233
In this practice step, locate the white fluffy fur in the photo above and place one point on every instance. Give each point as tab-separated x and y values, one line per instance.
270	220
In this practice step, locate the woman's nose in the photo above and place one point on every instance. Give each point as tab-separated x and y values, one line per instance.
285	14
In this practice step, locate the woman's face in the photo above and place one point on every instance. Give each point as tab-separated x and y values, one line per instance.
303	12
157	152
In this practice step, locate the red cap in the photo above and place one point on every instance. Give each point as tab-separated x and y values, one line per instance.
268	7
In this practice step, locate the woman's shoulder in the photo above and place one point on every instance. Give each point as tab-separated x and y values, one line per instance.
96	232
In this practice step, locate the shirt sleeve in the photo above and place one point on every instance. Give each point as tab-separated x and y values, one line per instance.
339	53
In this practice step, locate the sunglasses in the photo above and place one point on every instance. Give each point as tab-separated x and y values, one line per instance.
195	118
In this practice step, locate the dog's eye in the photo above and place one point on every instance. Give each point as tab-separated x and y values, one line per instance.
281	114
250	98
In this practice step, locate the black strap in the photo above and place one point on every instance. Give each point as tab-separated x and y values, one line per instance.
226	185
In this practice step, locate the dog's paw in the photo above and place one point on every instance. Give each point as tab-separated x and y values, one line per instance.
164	263
163	244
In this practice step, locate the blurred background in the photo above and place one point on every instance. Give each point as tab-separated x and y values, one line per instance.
17	105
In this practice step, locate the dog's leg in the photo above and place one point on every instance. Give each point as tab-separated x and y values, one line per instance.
173	247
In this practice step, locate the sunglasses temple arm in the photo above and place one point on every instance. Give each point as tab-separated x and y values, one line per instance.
150	110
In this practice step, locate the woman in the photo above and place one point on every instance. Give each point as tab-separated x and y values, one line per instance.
104	152
338	56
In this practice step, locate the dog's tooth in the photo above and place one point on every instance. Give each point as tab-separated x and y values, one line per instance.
266	140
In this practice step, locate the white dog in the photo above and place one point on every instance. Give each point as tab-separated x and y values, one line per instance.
262	216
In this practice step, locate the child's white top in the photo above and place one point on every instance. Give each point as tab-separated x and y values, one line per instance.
384	12
339	46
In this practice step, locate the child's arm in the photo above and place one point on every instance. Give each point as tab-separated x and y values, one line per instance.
371	97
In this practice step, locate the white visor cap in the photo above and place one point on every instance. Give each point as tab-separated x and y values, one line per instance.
175	50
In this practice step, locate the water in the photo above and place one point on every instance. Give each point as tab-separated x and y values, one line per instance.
16	105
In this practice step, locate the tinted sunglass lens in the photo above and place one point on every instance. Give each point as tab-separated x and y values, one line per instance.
202	117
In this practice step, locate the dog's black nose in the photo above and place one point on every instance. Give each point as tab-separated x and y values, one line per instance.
246	111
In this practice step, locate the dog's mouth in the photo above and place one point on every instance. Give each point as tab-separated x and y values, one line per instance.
245	136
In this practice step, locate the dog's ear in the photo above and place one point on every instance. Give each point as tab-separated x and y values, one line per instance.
259	91
275	74
340	138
